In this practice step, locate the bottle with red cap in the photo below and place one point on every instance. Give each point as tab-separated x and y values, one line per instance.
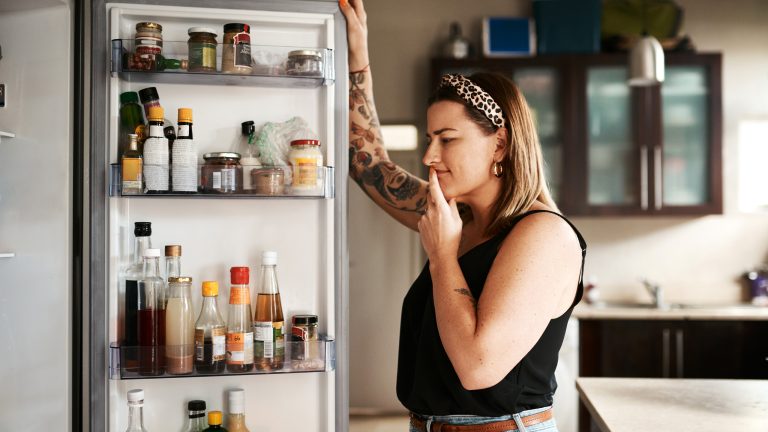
239	330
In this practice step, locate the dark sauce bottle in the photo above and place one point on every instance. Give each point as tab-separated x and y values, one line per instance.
210	333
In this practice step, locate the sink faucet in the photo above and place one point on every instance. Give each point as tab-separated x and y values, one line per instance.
655	290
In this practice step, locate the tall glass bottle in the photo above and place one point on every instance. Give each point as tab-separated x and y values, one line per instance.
130	285
236	417
196	419
136	411
184	156
131	168
210	333
239	330
179	327
172	261
268	323
156	155
131	122
151	307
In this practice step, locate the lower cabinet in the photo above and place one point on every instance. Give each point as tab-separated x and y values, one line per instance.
671	349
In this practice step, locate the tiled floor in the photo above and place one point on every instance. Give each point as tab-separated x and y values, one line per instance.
390	423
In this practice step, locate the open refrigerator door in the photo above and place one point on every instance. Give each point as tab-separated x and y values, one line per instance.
219	229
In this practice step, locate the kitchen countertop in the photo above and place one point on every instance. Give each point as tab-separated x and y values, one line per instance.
735	312
701	405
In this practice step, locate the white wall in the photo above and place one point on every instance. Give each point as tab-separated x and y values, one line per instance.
35	222
695	259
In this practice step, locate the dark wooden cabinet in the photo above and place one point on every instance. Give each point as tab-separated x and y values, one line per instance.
671	349
612	149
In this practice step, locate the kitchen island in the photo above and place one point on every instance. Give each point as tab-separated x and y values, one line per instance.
654	404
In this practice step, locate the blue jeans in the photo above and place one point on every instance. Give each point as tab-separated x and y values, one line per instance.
547	426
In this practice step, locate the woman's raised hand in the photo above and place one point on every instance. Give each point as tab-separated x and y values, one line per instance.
357	33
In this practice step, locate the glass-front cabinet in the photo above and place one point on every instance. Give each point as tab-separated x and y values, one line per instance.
612	149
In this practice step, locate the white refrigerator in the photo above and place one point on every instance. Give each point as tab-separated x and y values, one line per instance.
219	231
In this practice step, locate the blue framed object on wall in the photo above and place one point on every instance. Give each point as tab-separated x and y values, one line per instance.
508	37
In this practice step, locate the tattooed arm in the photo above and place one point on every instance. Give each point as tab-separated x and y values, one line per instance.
394	189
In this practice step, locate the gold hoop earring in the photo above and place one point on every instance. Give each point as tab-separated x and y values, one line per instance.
498	169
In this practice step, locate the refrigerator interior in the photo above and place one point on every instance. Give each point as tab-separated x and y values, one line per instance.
219	233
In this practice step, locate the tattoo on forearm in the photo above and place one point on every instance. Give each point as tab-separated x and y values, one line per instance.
466	292
396	186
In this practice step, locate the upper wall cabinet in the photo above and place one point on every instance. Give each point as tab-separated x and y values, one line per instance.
611	149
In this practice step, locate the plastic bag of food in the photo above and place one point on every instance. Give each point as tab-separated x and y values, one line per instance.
274	141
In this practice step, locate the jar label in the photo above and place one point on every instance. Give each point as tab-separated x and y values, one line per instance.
217	180
239	348
228	180
202	56
305	172
242	43
239	295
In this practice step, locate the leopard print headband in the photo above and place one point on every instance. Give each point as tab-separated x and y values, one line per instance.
479	98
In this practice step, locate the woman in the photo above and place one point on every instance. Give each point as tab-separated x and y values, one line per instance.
482	325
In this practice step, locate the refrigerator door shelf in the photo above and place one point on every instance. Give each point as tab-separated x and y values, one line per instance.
323	190
300	357
272	66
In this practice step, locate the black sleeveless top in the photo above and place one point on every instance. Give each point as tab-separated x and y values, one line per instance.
426	381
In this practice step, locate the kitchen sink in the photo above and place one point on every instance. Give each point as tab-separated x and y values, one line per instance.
672	306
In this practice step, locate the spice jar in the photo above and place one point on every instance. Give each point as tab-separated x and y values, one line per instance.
304	62
221	173
236	50
267	180
306	160
304	340
202	49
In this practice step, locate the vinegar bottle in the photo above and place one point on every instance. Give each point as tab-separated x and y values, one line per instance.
179	327
239	331
268	337
151	307
130	283
136	411
210	333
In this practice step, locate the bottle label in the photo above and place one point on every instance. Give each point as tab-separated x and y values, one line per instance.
239	295
269	341
131	173
218	342
199	345
239	348
183	131
305	172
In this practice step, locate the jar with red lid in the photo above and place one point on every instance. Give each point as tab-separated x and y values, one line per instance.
306	161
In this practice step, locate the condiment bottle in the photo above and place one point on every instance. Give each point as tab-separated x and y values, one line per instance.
306	160
131	122
196	419
131	168
172	261
236	49
214	422
179	327
239	330
250	155
236	417
131	277
149	98
156	154
210	333
136	411
457	46
268	337
184	156
151	305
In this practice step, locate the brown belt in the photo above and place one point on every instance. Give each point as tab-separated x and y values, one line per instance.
499	426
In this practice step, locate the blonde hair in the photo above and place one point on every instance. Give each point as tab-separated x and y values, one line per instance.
523	179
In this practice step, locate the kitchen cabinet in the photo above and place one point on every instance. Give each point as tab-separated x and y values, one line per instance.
620	348
611	149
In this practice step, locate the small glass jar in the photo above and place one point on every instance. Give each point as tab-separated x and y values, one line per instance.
304	339
306	160
268	181
202	49
221	173
304	63
236	49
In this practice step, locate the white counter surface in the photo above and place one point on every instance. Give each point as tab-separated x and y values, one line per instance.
743	312
659	405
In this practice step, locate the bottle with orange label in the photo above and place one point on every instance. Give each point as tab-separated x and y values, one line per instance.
239	330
